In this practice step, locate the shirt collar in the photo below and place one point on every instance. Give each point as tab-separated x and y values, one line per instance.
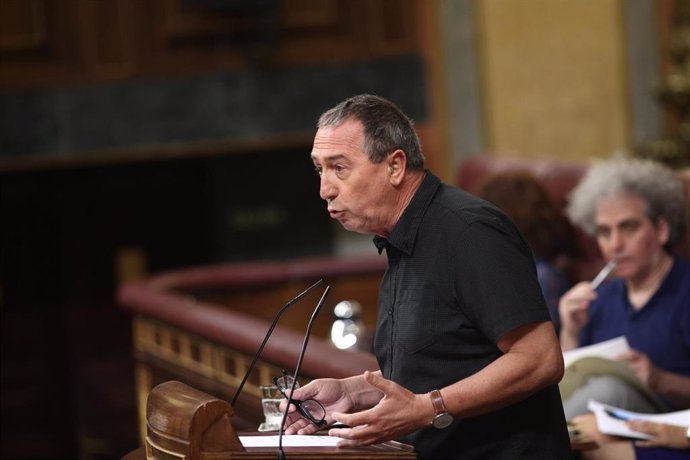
404	232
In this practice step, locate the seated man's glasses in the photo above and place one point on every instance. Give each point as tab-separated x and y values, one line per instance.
310	409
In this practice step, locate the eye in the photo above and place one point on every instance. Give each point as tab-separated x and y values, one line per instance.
630	226
602	232
341	171
317	170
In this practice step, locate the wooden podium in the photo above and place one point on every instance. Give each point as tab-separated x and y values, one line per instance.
186	424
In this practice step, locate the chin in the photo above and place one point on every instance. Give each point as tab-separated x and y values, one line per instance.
347	225
354	228
627	272
351	228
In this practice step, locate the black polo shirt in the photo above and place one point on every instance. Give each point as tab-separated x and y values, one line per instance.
459	277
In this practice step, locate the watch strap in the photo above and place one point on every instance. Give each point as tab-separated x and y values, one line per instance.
437	402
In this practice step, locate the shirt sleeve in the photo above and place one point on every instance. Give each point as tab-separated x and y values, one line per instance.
495	278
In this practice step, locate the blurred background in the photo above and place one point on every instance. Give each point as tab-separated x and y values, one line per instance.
138	136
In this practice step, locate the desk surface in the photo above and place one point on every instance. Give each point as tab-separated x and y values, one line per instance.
386	451
372	453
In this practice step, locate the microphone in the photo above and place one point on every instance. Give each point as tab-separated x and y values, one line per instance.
268	335
281	452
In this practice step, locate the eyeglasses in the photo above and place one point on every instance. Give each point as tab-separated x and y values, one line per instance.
310	409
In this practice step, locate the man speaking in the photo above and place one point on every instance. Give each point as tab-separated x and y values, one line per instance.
469	359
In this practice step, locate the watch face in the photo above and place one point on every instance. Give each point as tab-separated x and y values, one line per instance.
442	420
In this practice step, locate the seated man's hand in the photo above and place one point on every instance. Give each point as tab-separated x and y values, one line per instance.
672	436
641	366
573	310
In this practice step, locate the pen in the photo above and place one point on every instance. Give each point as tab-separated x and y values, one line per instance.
619	415
601	276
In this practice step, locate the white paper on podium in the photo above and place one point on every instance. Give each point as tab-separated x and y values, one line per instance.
294	440
611	419
606	349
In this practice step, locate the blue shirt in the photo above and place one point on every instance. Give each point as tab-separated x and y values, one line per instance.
661	329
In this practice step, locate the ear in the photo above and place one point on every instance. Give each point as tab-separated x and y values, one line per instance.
663	230
396	163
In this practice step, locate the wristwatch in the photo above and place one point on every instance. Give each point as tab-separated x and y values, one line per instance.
442	418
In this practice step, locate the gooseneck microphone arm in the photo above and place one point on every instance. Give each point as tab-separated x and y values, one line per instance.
281	453
268	335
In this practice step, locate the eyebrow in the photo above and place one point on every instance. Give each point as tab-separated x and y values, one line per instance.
626	221
331	158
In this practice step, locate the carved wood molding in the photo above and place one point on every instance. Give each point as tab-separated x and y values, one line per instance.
46	42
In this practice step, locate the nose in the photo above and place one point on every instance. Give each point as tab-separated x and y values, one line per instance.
615	241
327	189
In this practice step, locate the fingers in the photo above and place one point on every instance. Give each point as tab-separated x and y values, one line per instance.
376	380
306	392
299	425
354	420
644	427
295	423
364	426
357	436
642	443
349	443
651	428
580	295
630	355
664	435
573	307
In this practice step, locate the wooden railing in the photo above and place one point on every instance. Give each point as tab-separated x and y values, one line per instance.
203	325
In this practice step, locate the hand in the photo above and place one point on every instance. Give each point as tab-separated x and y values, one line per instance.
641	366
586	425
674	437
399	412
573	308
334	396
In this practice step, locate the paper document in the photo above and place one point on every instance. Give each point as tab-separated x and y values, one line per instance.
607	349
611	420
293	440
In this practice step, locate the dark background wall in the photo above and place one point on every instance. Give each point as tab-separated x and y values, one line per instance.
228	106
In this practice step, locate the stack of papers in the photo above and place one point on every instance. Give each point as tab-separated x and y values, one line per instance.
608	349
611	420
290	441
600	359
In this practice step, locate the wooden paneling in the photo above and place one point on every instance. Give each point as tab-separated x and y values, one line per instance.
109	40
46	42
23	25
37	42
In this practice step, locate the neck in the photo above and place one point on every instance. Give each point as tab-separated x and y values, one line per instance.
641	290
407	189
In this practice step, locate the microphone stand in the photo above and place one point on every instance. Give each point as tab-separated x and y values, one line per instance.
268	335
281	453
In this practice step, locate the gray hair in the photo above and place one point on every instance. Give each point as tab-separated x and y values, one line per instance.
386	128
656	184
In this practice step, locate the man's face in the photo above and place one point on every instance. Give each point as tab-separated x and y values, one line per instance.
625	233
357	191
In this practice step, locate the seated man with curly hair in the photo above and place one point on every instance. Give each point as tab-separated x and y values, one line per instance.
637	211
